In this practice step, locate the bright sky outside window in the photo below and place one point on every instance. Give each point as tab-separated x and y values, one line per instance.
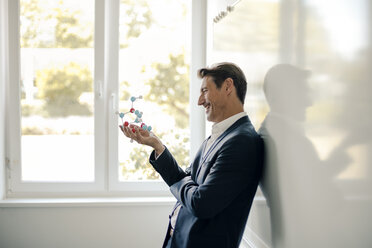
154	63
57	59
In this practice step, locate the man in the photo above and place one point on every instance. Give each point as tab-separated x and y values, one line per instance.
215	193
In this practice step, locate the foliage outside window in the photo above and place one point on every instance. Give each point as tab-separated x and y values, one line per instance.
57	68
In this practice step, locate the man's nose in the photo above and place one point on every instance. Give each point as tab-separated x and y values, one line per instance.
201	100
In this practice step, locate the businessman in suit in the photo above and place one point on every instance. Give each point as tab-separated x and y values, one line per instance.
215	193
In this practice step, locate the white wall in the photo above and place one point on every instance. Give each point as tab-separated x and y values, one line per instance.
3	18
80	227
318	130
318	136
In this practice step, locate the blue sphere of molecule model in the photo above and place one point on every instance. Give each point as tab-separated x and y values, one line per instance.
138	118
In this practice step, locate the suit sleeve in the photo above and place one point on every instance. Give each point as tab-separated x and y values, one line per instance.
236	167
167	167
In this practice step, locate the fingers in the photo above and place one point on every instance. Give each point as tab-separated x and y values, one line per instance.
134	132
141	136
143	133
138	136
125	131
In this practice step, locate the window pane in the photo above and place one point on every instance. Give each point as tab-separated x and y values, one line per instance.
57	61
154	64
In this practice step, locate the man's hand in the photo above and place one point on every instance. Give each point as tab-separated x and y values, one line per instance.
143	137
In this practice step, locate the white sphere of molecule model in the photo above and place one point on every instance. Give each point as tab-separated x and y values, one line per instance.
138	115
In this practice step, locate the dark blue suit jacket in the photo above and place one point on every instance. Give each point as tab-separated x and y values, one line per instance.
217	190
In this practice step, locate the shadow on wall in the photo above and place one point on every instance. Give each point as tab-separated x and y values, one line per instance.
307	209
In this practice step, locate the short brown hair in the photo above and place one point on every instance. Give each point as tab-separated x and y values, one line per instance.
220	72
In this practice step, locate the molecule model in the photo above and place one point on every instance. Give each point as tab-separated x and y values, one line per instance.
138	115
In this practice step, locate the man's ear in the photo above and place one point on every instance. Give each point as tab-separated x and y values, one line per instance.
229	85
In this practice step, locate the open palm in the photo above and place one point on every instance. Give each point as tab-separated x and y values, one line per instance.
141	136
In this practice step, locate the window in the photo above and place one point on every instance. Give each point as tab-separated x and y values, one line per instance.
79	64
57	102
160	73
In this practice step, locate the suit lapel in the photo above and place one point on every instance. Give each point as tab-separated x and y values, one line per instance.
199	157
219	142
223	135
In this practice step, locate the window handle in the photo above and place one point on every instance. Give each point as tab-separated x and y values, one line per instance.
113	102
99	89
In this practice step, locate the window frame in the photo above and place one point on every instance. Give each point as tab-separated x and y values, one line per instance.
15	184
106	87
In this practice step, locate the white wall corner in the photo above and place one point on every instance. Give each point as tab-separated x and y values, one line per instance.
252	240
245	244
3	36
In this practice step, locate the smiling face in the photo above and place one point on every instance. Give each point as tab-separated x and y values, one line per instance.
213	100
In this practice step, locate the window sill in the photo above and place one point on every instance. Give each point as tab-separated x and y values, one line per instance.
88	202
96	202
